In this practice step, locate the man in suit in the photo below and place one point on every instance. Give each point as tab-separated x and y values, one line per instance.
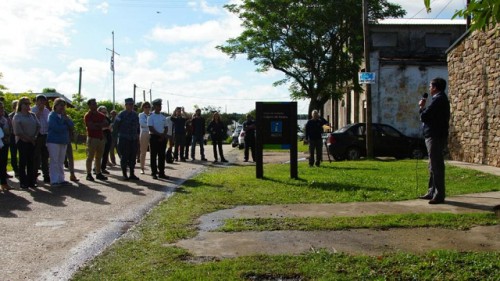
435	119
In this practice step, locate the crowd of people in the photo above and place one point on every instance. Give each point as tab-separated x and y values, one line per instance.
39	140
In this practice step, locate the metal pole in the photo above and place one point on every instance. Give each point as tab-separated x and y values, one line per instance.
113	59
113	65
366	36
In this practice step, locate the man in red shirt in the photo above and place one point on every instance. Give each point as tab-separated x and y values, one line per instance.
95	121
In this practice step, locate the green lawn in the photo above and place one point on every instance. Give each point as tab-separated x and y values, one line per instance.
146	254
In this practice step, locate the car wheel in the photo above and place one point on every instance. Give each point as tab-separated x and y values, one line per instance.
417	153
338	157
353	153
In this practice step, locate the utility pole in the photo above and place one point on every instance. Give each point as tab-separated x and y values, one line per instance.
113	65
150	92
366	36
135	87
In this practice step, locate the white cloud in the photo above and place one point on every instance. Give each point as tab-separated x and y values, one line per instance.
145	57
27	25
103	7
205	7
213	30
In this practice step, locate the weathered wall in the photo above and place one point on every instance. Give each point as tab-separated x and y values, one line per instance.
397	92
474	90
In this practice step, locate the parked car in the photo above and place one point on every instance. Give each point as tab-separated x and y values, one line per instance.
349	143
241	140
236	135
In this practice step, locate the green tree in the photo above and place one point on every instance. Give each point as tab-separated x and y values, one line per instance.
317	44
484	13
49	90
2	87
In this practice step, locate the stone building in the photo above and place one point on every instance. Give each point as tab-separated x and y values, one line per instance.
474	91
405	55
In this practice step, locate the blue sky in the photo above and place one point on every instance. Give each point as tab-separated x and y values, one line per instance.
164	45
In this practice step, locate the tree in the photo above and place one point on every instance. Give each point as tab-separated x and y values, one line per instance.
2	87
484	13
49	90
317	44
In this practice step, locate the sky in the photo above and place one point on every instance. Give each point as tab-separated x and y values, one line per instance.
166	47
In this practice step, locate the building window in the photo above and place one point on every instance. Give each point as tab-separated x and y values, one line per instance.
385	39
437	40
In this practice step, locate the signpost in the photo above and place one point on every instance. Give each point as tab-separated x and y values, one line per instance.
276	129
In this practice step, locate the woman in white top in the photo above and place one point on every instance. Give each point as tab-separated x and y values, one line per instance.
144	135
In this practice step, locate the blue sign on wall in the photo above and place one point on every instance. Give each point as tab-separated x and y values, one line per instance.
367	77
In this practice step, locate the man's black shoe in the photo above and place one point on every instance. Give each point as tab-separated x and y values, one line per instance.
165	177
436	201
90	177
102	177
133	178
104	171
204	159
425	197
155	177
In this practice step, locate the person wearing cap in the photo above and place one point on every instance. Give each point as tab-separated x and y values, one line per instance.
95	121
157	123
198	125
41	153
26	128
127	125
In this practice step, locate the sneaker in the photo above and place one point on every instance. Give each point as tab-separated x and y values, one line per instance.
90	177
101	177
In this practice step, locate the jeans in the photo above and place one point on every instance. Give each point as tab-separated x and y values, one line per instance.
199	140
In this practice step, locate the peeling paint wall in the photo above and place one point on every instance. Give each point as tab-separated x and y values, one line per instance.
404	57
398	91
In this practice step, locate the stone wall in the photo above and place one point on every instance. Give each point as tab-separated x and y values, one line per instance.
474	91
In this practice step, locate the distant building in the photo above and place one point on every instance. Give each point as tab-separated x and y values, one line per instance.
51	96
405	55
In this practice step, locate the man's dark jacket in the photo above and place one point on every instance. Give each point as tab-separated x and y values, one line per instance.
436	117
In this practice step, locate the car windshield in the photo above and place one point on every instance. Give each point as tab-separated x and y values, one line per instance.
343	129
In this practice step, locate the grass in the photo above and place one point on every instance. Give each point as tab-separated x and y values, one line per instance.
146	254
452	221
